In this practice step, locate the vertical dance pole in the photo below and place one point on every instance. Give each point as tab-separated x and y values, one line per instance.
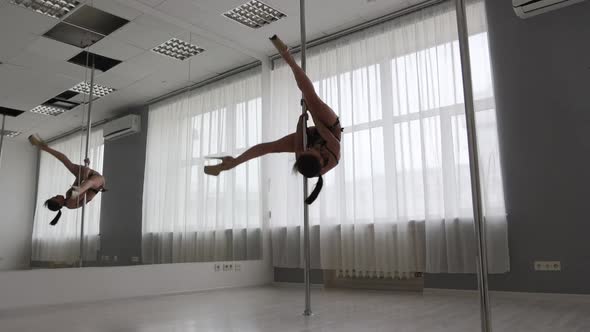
4	111
86	164
480	227
2	136
306	249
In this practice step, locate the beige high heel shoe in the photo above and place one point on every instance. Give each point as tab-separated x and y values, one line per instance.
216	169
279	45
36	140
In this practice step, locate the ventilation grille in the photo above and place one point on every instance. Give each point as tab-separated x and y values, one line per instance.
178	49
9	133
97	91
254	14
48	110
54	8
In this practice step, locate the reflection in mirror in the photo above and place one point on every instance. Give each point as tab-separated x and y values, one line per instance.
66	224
157	107
190	216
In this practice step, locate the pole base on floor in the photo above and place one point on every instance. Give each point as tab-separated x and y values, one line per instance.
307	313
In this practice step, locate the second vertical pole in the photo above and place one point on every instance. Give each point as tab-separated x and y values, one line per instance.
306	244
2	136
479	223
86	164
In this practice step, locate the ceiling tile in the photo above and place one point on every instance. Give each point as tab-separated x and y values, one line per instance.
52	49
131	71
152	3
13	16
24	122
158	25
184	9
13	42
148	88
117	8
51	68
141	36
116	49
151	61
115	80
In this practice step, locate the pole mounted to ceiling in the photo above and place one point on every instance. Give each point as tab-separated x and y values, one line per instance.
86	160
476	199
2	136
6	112
306	241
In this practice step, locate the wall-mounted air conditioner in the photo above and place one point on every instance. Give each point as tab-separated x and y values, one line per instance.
121	127
529	8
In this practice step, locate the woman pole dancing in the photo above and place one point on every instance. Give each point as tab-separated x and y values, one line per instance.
88	182
323	140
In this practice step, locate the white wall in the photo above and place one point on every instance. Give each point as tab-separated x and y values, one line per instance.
47	287
18	174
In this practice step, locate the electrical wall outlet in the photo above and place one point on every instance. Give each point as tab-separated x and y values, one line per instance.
237	267
227	267
115	258
547	266
217	267
134	259
105	258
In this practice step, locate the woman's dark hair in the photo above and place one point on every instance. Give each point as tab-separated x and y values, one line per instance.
53	205
310	166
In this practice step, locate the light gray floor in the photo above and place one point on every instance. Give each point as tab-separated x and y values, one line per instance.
279	309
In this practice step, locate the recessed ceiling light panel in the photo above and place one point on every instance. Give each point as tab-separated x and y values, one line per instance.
54	8
48	110
254	14
10	133
178	49
98	90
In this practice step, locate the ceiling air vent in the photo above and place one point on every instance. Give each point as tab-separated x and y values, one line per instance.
178	49
54	8
85	26
48	110
98	90
254	14
101	63
9	133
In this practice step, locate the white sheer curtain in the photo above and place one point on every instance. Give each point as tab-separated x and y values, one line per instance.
61	243
399	202
187	215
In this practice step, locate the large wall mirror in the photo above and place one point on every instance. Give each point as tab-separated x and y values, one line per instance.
161	108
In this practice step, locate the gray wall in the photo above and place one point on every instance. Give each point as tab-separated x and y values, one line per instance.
121	209
542	81
18	181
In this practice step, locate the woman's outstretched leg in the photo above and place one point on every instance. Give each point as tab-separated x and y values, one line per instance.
315	104
37	141
285	144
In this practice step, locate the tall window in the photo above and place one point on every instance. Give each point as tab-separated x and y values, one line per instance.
190	216
61	243
399	200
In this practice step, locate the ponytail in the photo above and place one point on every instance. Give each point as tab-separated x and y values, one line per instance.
56	219
316	191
